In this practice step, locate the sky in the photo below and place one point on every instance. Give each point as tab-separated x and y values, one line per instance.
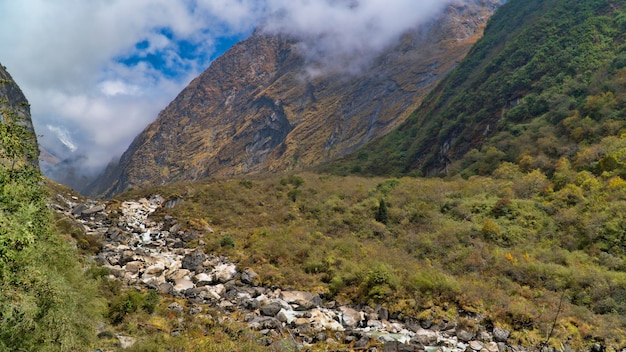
97	72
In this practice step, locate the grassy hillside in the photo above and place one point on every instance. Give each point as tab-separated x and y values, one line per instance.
509	247
546	81
46	302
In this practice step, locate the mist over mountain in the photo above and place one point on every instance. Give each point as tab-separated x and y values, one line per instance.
266	105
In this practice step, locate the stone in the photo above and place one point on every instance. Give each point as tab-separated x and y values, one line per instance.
165	288
195	310
249	277
302	300
176	307
271	309
203	279
324	320
500	335
383	313
350	317
224	272
92	210
133	267
426	337
155	269
78	210
299	322
491	347
395	346
193	260
173	275
215	291
464	335
126	341
362	342
183	283
475	345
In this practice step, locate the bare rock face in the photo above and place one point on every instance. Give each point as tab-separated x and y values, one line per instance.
15	107
256	109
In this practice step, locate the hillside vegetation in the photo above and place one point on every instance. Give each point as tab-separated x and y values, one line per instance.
508	249
546	82
46	302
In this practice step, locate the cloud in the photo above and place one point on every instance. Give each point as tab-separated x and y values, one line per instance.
344	35
100	70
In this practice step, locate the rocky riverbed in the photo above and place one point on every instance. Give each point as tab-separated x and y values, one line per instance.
142	252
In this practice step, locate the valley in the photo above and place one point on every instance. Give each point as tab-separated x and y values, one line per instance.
464	192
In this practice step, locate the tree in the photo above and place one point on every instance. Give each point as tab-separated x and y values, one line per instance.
382	216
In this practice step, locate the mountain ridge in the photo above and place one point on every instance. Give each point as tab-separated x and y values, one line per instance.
255	110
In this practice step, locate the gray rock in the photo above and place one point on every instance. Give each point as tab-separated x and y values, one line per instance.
165	288
500	335
92	210
383	313
426	337
271	309
464	335
362	342
249	277
395	346
193	260
176	307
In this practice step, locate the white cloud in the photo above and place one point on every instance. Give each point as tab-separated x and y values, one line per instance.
65	54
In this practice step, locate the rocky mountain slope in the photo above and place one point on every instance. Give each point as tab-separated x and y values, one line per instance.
255	109
536	76
14	108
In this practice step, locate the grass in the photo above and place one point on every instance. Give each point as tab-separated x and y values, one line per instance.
450	248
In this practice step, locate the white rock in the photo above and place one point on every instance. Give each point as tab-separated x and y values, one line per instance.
183	283
322	319
215	291
224	272
350	317
203	279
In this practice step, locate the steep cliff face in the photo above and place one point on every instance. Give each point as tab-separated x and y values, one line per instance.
256	109
14	109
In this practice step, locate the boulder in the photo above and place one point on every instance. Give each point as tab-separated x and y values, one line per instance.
183	283
271	309
203	279
464	335
224	272
133	267
426	337
492	347
300	299
350	317
249	277
500	335
476	345
155	269
193	261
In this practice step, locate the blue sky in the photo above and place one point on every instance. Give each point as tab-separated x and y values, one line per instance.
97	72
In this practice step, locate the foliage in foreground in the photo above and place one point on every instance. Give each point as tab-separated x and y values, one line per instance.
506	246
46	303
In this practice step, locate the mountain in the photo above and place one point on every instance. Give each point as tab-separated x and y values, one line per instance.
545	82
16	119
256	109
